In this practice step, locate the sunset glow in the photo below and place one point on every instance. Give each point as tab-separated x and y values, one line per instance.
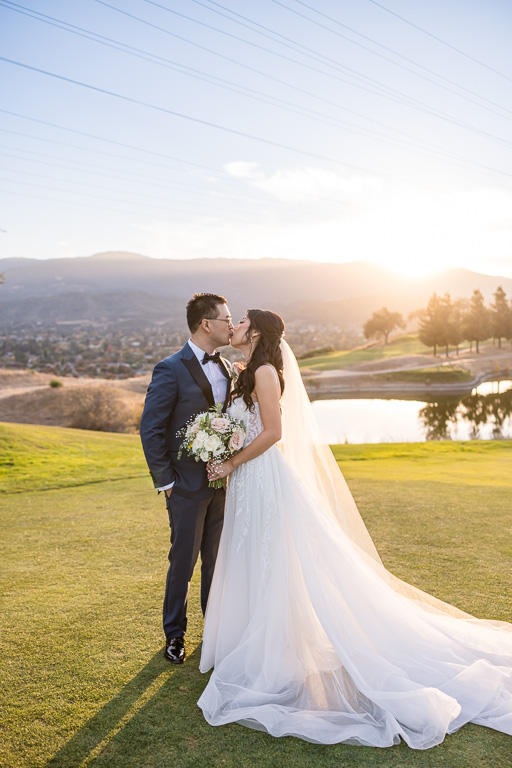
200	135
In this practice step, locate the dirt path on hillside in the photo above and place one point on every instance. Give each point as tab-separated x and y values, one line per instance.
490	359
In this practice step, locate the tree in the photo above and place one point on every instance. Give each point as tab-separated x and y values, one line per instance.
382	322
459	309
500	316
434	326
477	325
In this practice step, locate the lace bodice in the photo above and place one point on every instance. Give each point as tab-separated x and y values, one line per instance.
252	420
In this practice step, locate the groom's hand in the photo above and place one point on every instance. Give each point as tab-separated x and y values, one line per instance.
168	492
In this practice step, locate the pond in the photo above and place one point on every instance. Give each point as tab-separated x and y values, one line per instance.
485	414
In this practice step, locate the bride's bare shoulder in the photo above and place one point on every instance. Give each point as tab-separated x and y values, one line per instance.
266	378
266	372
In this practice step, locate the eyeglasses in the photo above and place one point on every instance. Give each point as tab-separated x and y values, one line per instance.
227	320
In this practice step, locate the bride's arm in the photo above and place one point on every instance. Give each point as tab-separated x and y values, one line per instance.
267	391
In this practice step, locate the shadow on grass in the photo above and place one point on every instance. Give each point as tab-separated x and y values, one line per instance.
154	722
88	741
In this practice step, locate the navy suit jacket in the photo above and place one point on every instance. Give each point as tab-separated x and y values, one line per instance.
178	391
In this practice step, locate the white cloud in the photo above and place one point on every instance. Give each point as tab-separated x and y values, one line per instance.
307	185
412	232
243	170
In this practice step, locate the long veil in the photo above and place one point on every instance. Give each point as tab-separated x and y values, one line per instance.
311	457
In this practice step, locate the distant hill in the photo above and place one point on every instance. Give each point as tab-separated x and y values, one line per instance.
127	288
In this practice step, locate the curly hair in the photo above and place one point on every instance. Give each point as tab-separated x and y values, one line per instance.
267	350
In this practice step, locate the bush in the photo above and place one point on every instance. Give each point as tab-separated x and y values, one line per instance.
102	408
54	383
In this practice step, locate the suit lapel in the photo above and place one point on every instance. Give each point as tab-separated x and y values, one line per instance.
225	370
194	367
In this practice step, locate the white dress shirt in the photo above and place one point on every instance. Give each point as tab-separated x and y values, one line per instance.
216	378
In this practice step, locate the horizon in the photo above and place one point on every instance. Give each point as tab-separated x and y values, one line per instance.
369	263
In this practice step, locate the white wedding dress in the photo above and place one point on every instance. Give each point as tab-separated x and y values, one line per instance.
309	635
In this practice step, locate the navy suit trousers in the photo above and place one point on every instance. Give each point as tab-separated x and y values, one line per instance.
196	526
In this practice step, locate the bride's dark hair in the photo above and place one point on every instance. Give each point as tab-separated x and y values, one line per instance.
267	350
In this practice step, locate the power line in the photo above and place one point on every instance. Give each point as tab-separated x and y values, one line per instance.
347	126
184	185
438	114
168	184
440	40
116	143
378	87
102	207
452	157
358	74
172	207
46	199
220	82
235	61
291	44
199	121
399	96
226	129
87	149
188	71
384	47
410	101
415	146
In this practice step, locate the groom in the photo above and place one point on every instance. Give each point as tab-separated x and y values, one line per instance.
184	384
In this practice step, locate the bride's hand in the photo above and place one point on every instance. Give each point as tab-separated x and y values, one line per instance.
218	469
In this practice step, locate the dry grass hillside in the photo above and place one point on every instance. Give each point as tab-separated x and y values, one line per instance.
108	406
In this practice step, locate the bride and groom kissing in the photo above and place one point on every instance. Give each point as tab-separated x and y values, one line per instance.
306	631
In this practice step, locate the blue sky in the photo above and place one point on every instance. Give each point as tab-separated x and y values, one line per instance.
322	130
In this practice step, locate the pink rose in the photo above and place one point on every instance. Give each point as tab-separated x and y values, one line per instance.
219	424
194	428
236	441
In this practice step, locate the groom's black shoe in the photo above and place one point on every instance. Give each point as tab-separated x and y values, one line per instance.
175	650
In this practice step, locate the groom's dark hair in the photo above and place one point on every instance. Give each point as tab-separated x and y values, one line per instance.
200	306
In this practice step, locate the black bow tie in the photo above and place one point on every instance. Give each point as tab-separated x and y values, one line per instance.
215	358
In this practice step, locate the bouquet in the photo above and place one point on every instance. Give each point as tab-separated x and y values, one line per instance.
212	436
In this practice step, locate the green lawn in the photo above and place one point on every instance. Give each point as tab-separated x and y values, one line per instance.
438	374
40	458
406	344
84	681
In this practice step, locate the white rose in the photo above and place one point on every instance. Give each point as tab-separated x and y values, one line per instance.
213	443
204	456
236	441
198	443
193	429
201	437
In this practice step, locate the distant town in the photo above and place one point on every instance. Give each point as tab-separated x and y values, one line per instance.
115	354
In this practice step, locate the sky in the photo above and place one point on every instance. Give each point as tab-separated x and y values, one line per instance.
327	130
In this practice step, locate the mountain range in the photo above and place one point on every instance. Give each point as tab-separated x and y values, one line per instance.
131	289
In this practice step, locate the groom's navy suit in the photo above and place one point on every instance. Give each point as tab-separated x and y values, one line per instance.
179	390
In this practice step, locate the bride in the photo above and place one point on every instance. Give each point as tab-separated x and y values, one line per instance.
308	634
